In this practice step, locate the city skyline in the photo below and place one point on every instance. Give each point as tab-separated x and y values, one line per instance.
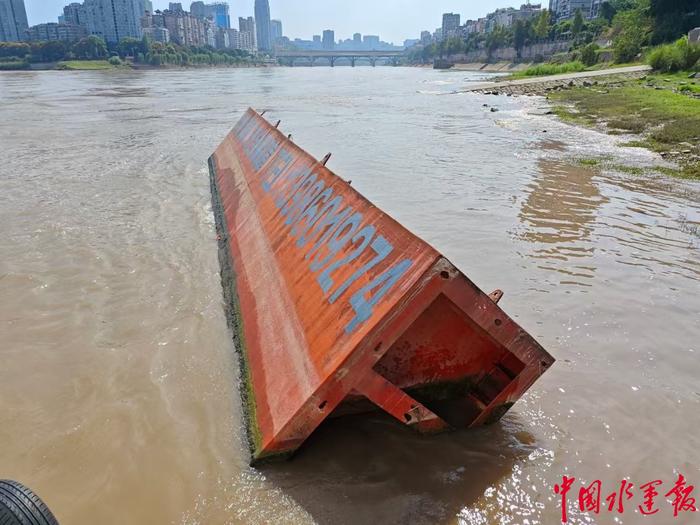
393	20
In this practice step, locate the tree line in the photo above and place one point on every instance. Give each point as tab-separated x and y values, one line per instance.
143	51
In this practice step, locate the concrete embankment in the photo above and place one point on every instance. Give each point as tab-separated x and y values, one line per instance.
542	85
499	67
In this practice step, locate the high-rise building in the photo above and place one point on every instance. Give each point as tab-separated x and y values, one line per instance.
13	21
52	31
148	6
183	28
222	18
357	41
247	33
113	19
371	42
425	38
450	25
218	12
157	34
74	14
566	9
328	39
554	6
275	30
175	7
262	24
595	8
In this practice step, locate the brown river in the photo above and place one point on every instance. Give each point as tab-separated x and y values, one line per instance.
119	397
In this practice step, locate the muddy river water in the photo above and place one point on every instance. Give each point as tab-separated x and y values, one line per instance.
118	378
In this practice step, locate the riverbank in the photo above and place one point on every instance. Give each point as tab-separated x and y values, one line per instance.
544	84
660	112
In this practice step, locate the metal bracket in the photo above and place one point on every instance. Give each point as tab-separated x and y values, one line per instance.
496	295
399	404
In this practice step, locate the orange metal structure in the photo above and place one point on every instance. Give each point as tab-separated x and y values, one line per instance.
334	303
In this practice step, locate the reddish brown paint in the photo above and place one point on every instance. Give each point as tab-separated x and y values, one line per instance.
434	327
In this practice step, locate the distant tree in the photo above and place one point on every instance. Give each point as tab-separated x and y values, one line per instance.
597	27
14	49
129	47
577	24
51	51
542	25
498	37
632	29
562	28
589	55
520	33
145	45
90	48
607	12
673	18
624	5
454	46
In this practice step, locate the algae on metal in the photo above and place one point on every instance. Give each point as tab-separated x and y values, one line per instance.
233	314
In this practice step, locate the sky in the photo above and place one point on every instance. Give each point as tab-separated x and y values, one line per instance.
393	20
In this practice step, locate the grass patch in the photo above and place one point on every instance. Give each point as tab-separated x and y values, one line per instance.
551	69
572	116
85	65
666	119
689	88
636	144
688	171
589	162
632	170
628	123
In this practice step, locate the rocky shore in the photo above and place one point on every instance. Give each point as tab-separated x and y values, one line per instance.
549	84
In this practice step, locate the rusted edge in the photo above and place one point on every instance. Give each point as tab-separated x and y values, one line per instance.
235	321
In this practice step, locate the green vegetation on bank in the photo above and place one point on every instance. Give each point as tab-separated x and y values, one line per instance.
658	108
679	56
13	64
550	69
75	55
85	65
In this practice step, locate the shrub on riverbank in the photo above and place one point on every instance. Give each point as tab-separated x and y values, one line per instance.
679	56
14	65
589	54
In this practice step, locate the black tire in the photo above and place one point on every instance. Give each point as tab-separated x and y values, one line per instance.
20	506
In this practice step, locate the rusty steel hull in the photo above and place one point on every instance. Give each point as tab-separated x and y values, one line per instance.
335	307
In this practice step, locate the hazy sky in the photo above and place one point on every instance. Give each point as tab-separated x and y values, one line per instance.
393	20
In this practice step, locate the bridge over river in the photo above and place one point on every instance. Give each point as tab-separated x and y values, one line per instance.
332	56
